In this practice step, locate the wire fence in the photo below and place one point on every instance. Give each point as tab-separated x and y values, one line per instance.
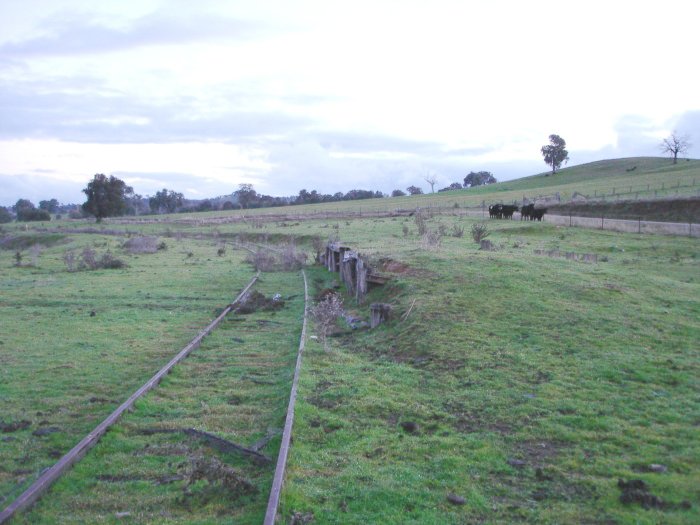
626	225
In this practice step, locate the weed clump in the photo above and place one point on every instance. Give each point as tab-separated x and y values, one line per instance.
288	259
432	238
325	314
89	260
142	244
479	232
254	301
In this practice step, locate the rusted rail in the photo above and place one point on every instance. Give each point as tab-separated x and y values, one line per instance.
41	485
278	479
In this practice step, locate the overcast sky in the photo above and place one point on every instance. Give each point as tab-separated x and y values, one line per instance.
202	96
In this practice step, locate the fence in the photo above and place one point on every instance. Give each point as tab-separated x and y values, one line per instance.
626	225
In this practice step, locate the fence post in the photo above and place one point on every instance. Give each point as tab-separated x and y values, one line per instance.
639	229
569	219
602	222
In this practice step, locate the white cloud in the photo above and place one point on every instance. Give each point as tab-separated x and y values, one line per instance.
329	95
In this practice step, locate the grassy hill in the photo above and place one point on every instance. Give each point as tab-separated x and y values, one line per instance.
617	179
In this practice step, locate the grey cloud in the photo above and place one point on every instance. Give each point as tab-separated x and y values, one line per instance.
73	34
36	188
93	117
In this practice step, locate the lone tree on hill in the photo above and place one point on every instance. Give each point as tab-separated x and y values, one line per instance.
675	145
414	190
479	178
432	180
106	197
555	152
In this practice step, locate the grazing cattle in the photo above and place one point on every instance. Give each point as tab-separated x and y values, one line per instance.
526	212
507	211
502	211
538	213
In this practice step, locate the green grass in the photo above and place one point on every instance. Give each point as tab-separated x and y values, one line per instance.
587	372
236	386
649	178
74	345
535	383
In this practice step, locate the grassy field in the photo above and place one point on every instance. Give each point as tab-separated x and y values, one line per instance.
507	387
629	178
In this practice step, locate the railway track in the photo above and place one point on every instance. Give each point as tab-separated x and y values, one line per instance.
205	441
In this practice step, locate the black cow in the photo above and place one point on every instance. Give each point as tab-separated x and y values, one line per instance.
526	212
538	213
507	211
495	211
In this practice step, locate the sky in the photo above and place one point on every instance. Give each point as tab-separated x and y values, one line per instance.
200	97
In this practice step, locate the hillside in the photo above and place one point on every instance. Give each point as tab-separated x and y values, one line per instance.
635	178
629	178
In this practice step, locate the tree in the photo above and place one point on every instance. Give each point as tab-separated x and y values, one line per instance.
479	178
675	145
398	193
432	180
50	206
414	190
26	211
106	197
5	215
451	187
246	195
555	152
166	201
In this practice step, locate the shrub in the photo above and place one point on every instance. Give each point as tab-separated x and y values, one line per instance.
5	215
35	252
325	315
70	260
109	262
479	231
432	239
33	214
88	260
142	244
457	231
263	260
292	258
319	247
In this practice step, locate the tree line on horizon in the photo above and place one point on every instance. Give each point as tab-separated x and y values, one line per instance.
110	196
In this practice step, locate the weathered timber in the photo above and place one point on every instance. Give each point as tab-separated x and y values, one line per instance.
354	269
379	312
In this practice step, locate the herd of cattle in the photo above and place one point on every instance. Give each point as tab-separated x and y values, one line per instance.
527	213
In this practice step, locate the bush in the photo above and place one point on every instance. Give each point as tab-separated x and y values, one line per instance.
263	260
457	231
432	239
325	315
479	232
5	215
142	244
33	214
88	260
292	258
